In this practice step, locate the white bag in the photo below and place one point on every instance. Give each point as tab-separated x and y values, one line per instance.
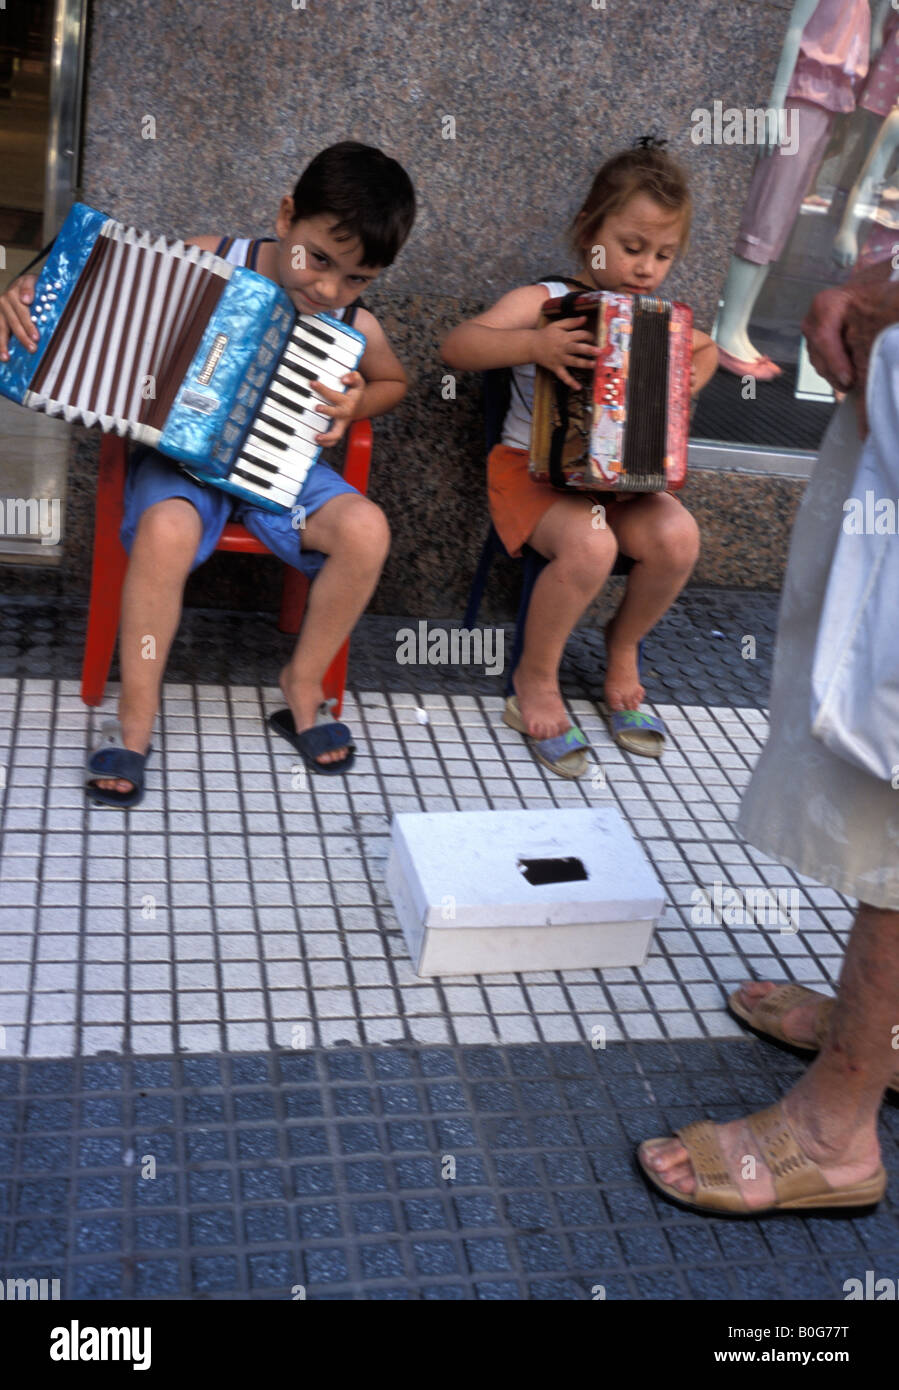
855	671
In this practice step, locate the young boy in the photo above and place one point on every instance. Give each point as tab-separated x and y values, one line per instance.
347	219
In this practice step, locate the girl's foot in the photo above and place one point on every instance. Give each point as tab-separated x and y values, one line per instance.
304	698
842	1167
540	702
798	1023
622	685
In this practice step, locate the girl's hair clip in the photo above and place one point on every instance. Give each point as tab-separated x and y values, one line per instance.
653	141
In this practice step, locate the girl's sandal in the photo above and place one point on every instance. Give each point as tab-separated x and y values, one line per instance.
766	1018
799	1184
566	754
635	731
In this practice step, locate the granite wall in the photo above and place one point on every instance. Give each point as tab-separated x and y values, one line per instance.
238	97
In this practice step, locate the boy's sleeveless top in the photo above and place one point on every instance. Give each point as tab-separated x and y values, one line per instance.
517	424
244	251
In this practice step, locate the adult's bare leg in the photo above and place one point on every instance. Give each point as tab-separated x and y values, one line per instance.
833	1107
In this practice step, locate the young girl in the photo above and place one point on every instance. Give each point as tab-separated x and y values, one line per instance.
634	221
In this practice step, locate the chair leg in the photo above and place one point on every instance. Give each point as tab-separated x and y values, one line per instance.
334	683
294	593
478	584
107	574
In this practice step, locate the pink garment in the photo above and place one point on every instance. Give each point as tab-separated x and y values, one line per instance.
881	91
833	55
779	184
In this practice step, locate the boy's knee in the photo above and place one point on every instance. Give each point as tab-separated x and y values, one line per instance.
363	529
172	527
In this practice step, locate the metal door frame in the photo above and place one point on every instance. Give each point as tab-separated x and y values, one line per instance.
67	60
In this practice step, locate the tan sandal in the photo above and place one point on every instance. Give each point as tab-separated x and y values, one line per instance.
766	1018
799	1184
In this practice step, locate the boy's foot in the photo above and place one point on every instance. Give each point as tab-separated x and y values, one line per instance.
304	699
135	742
114	774
622	688
540	703
670	1161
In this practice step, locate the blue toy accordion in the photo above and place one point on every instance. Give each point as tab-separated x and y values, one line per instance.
176	348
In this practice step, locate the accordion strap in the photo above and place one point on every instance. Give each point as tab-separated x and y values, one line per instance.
559	434
39	257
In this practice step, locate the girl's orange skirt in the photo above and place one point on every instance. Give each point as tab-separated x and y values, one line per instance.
517	502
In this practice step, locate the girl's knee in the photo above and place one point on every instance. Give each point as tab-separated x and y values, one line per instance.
668	537
588	549
681	536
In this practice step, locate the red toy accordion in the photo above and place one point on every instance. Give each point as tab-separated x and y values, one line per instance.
626	429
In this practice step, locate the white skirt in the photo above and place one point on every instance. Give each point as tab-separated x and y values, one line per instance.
804	806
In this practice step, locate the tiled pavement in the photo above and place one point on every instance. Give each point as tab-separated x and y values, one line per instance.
224	989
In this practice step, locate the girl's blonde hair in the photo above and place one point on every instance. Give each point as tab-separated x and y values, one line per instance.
645	168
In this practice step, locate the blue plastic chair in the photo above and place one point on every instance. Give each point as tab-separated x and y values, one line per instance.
496	403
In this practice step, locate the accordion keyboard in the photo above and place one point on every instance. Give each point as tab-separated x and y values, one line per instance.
280	446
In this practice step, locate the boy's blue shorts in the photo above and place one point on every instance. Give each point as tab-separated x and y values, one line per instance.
153	478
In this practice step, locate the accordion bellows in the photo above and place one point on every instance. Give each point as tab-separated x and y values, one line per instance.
627	428
176	348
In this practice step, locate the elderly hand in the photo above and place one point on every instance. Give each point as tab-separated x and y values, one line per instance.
841	327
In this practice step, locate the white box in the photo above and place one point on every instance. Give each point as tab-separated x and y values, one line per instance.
463	887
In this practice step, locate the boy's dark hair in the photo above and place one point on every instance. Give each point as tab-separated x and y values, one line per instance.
369	194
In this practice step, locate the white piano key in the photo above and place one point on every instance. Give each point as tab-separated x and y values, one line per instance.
245	475
286	468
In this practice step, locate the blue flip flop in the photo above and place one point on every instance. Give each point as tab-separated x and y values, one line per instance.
325	736
636	731
112	760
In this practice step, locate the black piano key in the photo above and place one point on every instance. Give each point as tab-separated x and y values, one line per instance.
250	478
273	424
312	350
258	432
263	463
317	331
275	395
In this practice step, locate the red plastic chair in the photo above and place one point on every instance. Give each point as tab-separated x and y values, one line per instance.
110	562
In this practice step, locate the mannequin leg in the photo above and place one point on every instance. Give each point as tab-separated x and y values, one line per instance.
845	246
779	183
742	289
